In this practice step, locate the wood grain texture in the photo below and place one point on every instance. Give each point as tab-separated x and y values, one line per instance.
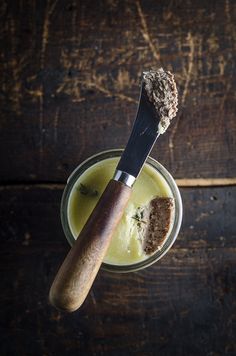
183	305
69	84
70	74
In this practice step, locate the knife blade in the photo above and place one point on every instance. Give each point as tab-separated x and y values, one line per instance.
143	137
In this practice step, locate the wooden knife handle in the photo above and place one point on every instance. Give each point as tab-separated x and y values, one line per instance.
80	267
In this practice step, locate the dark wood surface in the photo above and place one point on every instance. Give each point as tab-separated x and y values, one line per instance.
69	85
70	74
182	305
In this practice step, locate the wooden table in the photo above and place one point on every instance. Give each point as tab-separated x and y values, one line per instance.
70	74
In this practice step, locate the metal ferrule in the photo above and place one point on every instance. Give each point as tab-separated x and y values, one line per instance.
124	178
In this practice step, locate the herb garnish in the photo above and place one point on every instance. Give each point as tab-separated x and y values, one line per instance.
86	190
136	217
139	217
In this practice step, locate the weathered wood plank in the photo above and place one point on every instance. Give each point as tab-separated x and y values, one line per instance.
182	305
208	219
69	83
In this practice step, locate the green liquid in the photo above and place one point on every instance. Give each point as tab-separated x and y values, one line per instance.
126	246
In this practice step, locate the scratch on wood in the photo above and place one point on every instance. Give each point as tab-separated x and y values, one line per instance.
31	78
70	86
227	10
224	97
41	141
199	54
231	32
123	79
55	124
67	59
36	94
222	64
167	14
231	35
125	56
16	67
190	40
213	43
93	297
56	316
97	83
145	33
73	20
45	34
16	86
200	217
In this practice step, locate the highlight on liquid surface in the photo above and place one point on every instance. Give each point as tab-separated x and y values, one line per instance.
126	246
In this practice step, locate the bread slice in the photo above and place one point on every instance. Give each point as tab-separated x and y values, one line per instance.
158	217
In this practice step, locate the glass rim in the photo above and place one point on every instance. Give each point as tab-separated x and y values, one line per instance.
178	211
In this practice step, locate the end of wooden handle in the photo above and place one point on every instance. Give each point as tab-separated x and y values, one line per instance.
59	302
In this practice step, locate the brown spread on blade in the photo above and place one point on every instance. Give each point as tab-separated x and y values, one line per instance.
162	92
